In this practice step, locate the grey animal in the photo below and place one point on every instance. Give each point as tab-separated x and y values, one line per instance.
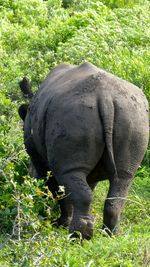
86	125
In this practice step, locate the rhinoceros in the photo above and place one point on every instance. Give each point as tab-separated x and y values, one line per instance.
86	125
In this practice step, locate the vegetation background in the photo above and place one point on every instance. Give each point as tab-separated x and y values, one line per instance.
35	36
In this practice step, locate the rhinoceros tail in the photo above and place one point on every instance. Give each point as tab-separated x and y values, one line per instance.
107	113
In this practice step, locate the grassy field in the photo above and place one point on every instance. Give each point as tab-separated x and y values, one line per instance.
35	36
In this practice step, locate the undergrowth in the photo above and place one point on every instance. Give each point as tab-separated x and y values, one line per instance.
35	36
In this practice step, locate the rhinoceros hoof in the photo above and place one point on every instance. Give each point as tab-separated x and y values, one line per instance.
83	227
109	232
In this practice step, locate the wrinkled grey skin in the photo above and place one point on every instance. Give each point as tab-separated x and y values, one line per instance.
87	125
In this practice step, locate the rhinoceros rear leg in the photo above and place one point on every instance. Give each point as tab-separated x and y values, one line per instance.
80	195
114	203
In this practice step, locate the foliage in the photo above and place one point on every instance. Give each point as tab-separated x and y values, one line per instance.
35	36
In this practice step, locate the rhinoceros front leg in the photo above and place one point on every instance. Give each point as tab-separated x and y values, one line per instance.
114	203
66	213
65	205
79	194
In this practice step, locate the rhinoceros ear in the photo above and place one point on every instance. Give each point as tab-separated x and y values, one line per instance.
23	111
25	87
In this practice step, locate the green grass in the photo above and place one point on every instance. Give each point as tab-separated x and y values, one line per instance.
36	35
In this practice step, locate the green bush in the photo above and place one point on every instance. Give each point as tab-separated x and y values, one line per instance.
36	35
122	3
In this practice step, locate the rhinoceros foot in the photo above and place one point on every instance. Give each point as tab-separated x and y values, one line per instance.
83	225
